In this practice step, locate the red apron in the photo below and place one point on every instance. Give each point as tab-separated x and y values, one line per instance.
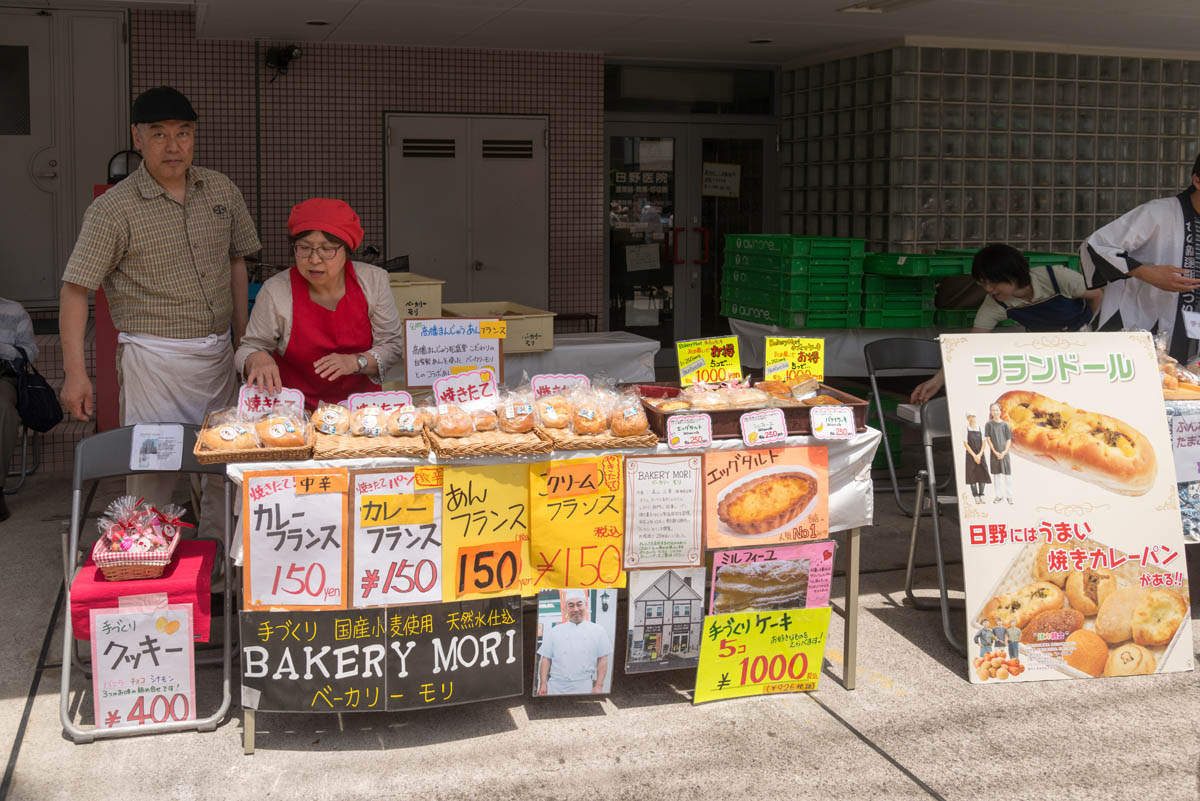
318	331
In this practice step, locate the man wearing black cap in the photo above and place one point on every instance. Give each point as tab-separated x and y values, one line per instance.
1156	244
168	244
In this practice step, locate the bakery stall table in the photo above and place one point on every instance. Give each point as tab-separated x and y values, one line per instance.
851	497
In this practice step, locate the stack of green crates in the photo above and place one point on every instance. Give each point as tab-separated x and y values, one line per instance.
1068	260
793	281
898	291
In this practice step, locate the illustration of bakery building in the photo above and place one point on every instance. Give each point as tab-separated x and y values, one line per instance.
667	619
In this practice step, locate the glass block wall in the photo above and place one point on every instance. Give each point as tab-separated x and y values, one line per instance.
1034	149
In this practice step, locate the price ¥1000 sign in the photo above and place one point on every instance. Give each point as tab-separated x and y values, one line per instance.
708	360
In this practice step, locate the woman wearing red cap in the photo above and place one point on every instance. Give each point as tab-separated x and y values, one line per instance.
328	326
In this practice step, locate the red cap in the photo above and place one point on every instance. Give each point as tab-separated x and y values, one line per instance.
329	216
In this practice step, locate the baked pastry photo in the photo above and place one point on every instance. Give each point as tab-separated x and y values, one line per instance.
760	585
1087	589
1041	568
1021	606
1090	652
1114	618
1129	660
1157	617
1051	624
760	505
1090	446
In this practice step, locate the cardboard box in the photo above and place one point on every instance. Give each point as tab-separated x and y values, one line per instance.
529	329
416	295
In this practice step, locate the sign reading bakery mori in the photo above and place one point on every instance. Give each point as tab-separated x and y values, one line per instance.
1072	545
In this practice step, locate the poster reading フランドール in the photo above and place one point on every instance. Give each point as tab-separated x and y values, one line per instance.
1072	545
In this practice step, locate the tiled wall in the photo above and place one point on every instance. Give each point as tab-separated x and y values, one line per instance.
322	127
1035	149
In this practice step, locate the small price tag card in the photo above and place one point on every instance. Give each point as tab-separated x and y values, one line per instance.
689	431
760	653
293	525
578	511
142	666
763	427
396	539
254	400
558	383
833	422
472	389
793	359
485	527
708	360
388	400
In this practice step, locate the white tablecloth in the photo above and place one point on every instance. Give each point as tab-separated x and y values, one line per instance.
843	346
618	355
851	493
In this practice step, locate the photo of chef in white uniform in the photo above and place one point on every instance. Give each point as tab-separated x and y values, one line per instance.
1147	263
576	632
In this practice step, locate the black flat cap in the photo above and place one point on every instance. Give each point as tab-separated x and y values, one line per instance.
162	103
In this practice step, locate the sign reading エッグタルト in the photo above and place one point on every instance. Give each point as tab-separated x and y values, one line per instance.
1072	545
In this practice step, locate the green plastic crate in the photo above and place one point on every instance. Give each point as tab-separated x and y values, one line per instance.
1068	260
786	245
956	252
791	301
909	265
954	318
798	265
941	264
790	319
896	302
776	282
875	284
884	318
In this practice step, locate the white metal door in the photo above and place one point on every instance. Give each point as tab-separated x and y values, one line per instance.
427	160
467	200
509	237
31	171
60	72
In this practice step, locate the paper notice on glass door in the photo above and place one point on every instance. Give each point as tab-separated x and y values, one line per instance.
639	258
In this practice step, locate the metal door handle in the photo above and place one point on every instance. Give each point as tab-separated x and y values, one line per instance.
703	260
46	174
478	265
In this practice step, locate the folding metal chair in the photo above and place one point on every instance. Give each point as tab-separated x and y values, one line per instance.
31	447
900	353
102	456
935	424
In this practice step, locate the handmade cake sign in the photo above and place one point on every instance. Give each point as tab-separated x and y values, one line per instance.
293	528
765	496
1072	543
664	511
256	400
778	577
396	539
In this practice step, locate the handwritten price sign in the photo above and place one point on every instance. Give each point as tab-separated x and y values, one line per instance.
758	653
396	542
794	359
578	511
293	525
486	522
142	666
708	360
833	422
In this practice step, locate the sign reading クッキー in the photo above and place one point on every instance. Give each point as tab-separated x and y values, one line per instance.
1072	545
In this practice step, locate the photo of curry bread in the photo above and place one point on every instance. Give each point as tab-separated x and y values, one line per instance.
1099	621
764	504
1095	447
761	585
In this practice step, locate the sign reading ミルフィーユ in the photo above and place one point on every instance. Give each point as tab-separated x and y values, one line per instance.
1072	544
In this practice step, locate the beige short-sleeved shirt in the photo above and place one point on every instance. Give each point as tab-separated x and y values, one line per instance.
1070	284
165	266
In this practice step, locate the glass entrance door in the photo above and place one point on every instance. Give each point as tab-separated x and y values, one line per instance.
674	191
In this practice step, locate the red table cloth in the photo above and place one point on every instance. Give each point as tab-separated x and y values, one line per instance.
187	580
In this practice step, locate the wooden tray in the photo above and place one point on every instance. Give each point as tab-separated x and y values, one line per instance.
726	422
348	446
490	443
206	456
564	440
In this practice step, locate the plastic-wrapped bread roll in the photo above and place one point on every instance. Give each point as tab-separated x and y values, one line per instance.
484	420
629	416
553	411
228	437
280	431
453	421
516	414
406	421
331	418
369	421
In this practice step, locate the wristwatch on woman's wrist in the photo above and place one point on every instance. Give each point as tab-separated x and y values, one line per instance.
362	363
